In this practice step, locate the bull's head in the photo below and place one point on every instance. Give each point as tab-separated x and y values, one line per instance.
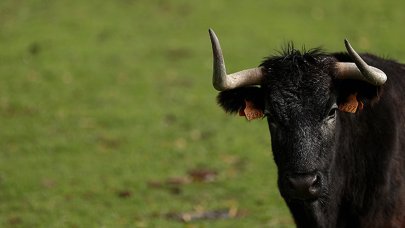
302	96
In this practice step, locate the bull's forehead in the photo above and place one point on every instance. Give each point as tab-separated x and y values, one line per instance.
297	96
298	85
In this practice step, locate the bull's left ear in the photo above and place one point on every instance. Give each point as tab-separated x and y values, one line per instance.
351	105
354	96
247	101
360	84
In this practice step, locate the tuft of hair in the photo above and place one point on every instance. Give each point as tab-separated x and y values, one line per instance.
233	100
294	56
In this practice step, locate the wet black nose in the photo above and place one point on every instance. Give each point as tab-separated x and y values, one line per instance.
305	186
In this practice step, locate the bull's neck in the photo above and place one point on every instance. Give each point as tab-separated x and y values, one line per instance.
361	158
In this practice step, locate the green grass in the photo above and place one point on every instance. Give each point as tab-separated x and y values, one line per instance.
100	99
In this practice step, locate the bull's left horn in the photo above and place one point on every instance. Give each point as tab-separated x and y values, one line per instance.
359	70
223	81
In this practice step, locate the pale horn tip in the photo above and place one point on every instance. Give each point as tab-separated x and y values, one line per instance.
213	36
347	44
211	32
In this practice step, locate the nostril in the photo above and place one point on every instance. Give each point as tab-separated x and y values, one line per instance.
314	180
317	180
314	186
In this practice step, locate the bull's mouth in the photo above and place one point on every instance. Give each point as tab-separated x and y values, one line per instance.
306	201
301	198
314	212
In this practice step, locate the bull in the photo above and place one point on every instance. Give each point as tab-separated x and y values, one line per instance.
337	129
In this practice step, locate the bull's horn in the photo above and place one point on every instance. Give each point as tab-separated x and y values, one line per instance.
222	81
359	70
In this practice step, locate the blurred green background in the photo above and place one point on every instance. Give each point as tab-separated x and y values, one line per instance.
108	117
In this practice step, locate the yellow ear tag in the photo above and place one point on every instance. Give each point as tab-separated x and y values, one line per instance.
351	105
250	112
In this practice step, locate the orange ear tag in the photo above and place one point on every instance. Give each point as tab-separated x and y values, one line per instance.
351	104
250	112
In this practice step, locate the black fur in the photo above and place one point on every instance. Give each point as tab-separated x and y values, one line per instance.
359	158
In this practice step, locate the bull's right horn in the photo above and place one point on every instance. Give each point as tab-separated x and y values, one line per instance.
223	81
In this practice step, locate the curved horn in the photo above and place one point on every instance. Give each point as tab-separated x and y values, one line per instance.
359	70
222	81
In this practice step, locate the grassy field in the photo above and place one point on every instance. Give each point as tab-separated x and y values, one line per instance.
108	117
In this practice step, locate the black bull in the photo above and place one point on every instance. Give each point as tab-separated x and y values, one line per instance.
339	145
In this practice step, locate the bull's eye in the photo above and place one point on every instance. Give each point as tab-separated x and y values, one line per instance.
332	113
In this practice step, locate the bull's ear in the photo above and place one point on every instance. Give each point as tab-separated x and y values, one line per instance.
354	95
247	101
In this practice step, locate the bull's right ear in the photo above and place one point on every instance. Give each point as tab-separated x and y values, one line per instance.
247	101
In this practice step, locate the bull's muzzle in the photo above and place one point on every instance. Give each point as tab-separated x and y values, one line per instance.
301	186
